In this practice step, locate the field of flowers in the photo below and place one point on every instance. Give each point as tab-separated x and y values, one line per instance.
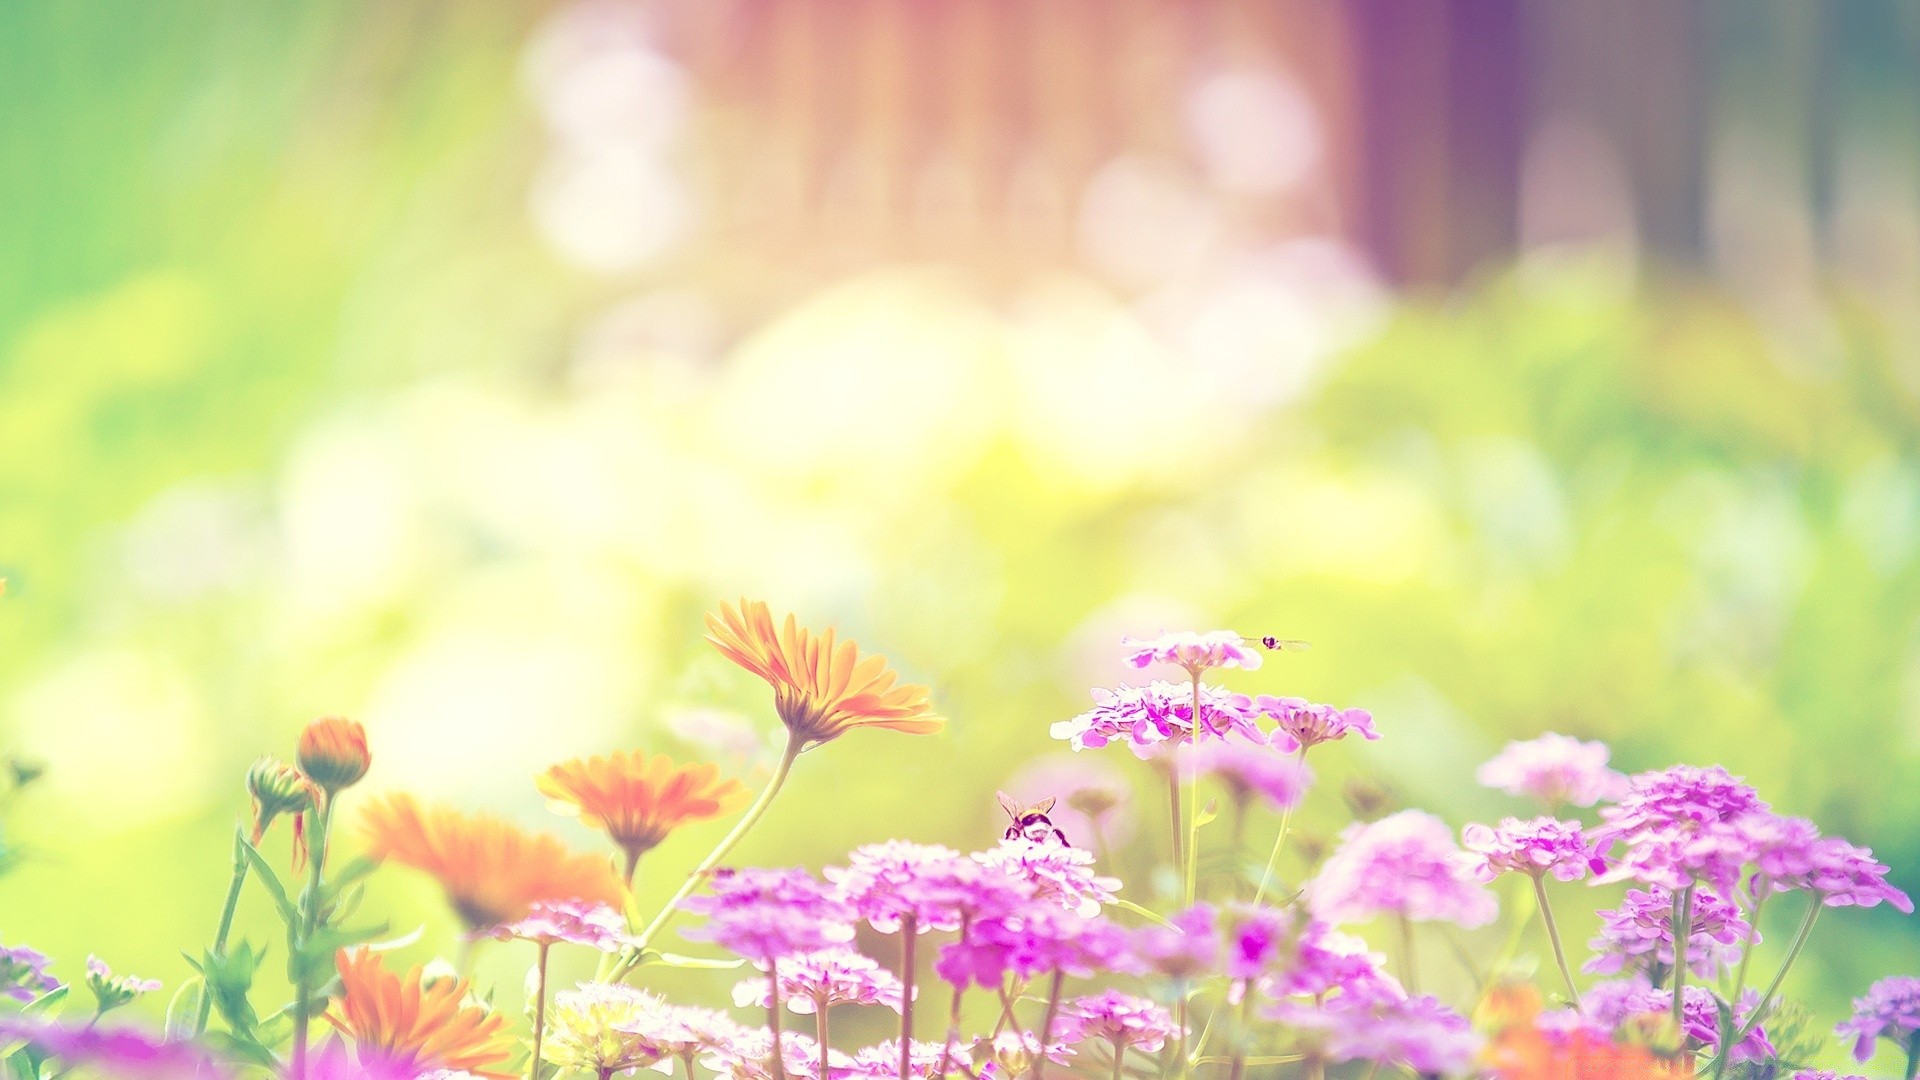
1236	957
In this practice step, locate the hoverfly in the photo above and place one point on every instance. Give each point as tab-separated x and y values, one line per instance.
1031	822
1279	644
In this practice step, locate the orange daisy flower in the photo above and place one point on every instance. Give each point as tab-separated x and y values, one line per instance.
821	688
493	872
431	1027
637	800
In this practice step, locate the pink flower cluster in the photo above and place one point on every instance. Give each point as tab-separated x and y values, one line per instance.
1638	934
1890	1010
764	915
1543	845
1194	651
813	981
1612	1004
1405	865
1145	717
1554	770
1302	724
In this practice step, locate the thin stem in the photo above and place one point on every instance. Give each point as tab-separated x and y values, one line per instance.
539	1010
309	922
1746	954
1280	841
910	936
1119	1058
953	1026
1046	1025
1553	935
631	956
1793	953
632	865
1682	927
1409	968
1913	1057
219	950
1193	794
820	1008
1173	814
773	1020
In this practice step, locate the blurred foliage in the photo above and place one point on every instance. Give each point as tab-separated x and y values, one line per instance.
295	417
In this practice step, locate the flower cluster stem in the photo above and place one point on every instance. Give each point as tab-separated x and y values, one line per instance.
779	1064
820	1009
309	923
1279	842
1760	1007
1409	967
631	956
1553	935
539	1009
1046	1024
1193	795
1682	927
909	938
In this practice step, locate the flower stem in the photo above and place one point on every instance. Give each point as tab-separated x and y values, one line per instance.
1193	794
909	938
1409	967
309	923
240	867
1913	1057
1760	1007
779	1065
1119	1058
820	1009
539	1010
1280	841
1553	935
1173	813
953	1030
631	956
1046	1024
1682	928
1239	1066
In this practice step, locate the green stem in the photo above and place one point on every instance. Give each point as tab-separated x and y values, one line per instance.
631	956
1193	795
1682	927
820	1009
322	817
1913	1056
773	1021
219	950
1119	1058
1740	975
1046	1025
1766	999
539	1011
1280	841
1553	935
910	936
1173	813
1239	1066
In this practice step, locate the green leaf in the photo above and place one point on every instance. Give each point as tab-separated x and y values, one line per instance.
1207	814
264	871
655	958
350	872
184	1010
1128	905
49	999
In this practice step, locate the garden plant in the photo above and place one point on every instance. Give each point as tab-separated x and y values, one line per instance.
1026	958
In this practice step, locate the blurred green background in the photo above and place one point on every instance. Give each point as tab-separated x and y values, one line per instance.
440	364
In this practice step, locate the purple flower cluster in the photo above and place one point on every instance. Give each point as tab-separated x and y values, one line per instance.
1554	770
1303	724
111	991
1791	854
1405	865
1052	872
1614	1003
1683	825
1639	934
1146	717
1248	770
1420	1033
1889	1010
890	884
812	981
1121	1020
1039	938
1194	651
23	973
123	1053
1543	845
764	915
577	922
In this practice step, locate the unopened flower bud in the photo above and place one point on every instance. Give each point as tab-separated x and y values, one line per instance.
276	788
333	753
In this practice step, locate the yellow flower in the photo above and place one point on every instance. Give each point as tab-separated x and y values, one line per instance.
604	1028
820	689
431	1027
493	873
637	800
